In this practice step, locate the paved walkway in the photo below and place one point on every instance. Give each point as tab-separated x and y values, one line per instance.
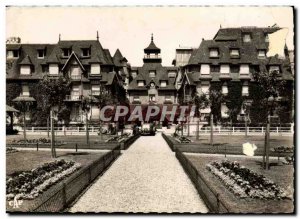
145	178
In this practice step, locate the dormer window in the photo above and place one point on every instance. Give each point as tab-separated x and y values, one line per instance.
95	69
266	38
85	52
262	53
12	53
25	70
246	37
205	69
234	53
152	74
163	83
25	91
66	52
244	69
53	69
41	53
171	74
214	53
141	84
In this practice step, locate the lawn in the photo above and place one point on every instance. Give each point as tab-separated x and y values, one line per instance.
27	160
283	175
232	144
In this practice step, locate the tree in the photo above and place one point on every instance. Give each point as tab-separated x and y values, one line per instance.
52	93
200	102
272	85
216	98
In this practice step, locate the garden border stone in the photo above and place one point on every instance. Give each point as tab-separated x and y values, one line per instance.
62	194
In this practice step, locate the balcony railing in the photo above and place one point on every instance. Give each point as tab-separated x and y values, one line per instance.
152	56
73	97
95	93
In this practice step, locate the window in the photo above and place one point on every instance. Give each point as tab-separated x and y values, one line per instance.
235	68
246	37
133	74
95	69
75	92
168	98
205	69
171	74
75	70
213	53
245	89
225	69
85	52
40	53
244	69
151	97
53	69
136	98
224	89
95	90
266	38
66	52
163	83
274	68
25	90
234	53
141	83
25	70
261	53
12	53
152	74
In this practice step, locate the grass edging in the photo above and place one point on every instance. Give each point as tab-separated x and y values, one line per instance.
58	197
129	141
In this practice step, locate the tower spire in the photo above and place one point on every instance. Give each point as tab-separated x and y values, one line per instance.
59	38
97	36
151	37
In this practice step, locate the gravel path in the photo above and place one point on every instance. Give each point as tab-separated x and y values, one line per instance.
146	178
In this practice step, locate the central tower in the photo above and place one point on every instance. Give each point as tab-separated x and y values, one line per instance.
152	53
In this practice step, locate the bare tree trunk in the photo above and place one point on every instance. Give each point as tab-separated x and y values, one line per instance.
24	128
211	130
197	131
52	135
87	129
48	126
268	144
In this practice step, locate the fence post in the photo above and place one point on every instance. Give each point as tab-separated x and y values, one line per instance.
32	129
277	129
76	147
232	129
37	146
92	128
78	129
262	129
219	129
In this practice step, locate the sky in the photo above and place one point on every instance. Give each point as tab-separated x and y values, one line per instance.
130	28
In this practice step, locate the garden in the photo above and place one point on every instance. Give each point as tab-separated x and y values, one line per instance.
244	186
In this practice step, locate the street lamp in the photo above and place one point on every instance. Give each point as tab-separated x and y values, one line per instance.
246	105
266	161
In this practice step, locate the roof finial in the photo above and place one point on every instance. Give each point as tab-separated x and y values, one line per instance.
151	37
59	38
97	36
220	26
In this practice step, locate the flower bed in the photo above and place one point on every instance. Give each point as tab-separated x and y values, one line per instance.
29	184
283	149
119	138
34	141
10	150
244	182
181	139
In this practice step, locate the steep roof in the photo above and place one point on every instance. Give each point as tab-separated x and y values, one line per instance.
152	47
26	61
118	58
161	75
28	54
231	38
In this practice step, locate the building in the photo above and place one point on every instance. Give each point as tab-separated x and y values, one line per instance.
226	64
153	83
90	68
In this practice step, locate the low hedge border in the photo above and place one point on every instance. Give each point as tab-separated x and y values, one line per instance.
209	196
61	195
129	141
